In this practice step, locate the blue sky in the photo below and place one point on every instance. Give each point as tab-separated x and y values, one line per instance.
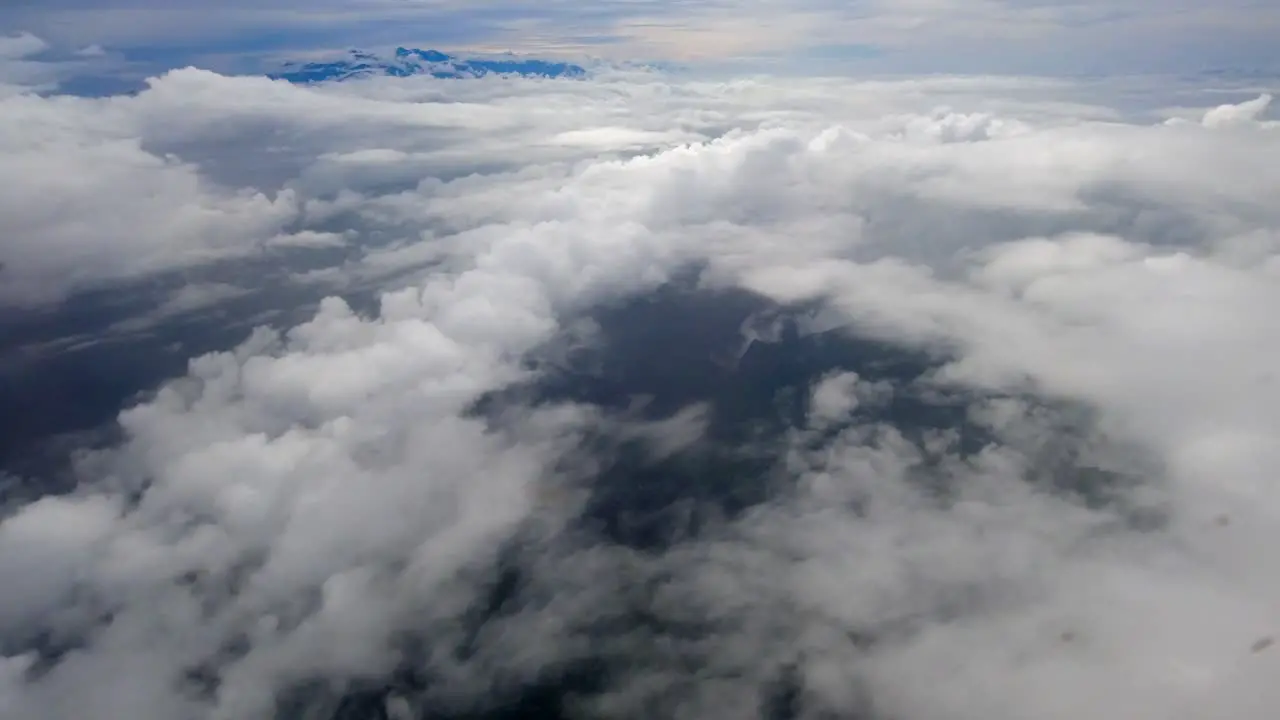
1015	36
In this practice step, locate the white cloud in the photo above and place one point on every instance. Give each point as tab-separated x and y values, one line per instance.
836	395
1170	349
17	70
1241	113
308	239
186	300
16	47
293	507
84	203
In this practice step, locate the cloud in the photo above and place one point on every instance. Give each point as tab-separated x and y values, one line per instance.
86	204
17	69
1062	512
16	47
839	394
186	300
1242	113
309	239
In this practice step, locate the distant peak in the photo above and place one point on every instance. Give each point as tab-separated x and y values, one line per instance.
412	61
427	55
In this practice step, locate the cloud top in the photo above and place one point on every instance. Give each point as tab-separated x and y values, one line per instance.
1061	507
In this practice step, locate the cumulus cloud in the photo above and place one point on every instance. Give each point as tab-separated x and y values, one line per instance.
85	204
17	68
836	395
1242	113
14	47
1063	512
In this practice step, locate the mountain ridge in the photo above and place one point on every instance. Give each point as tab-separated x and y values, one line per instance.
406	62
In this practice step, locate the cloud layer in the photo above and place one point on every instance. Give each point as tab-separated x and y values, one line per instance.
379	500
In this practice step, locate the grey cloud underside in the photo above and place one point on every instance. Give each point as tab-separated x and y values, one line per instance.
635	397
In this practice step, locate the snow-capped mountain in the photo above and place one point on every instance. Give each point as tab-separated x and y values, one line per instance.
407	61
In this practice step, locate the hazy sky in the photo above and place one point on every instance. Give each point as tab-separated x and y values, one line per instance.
1106	36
